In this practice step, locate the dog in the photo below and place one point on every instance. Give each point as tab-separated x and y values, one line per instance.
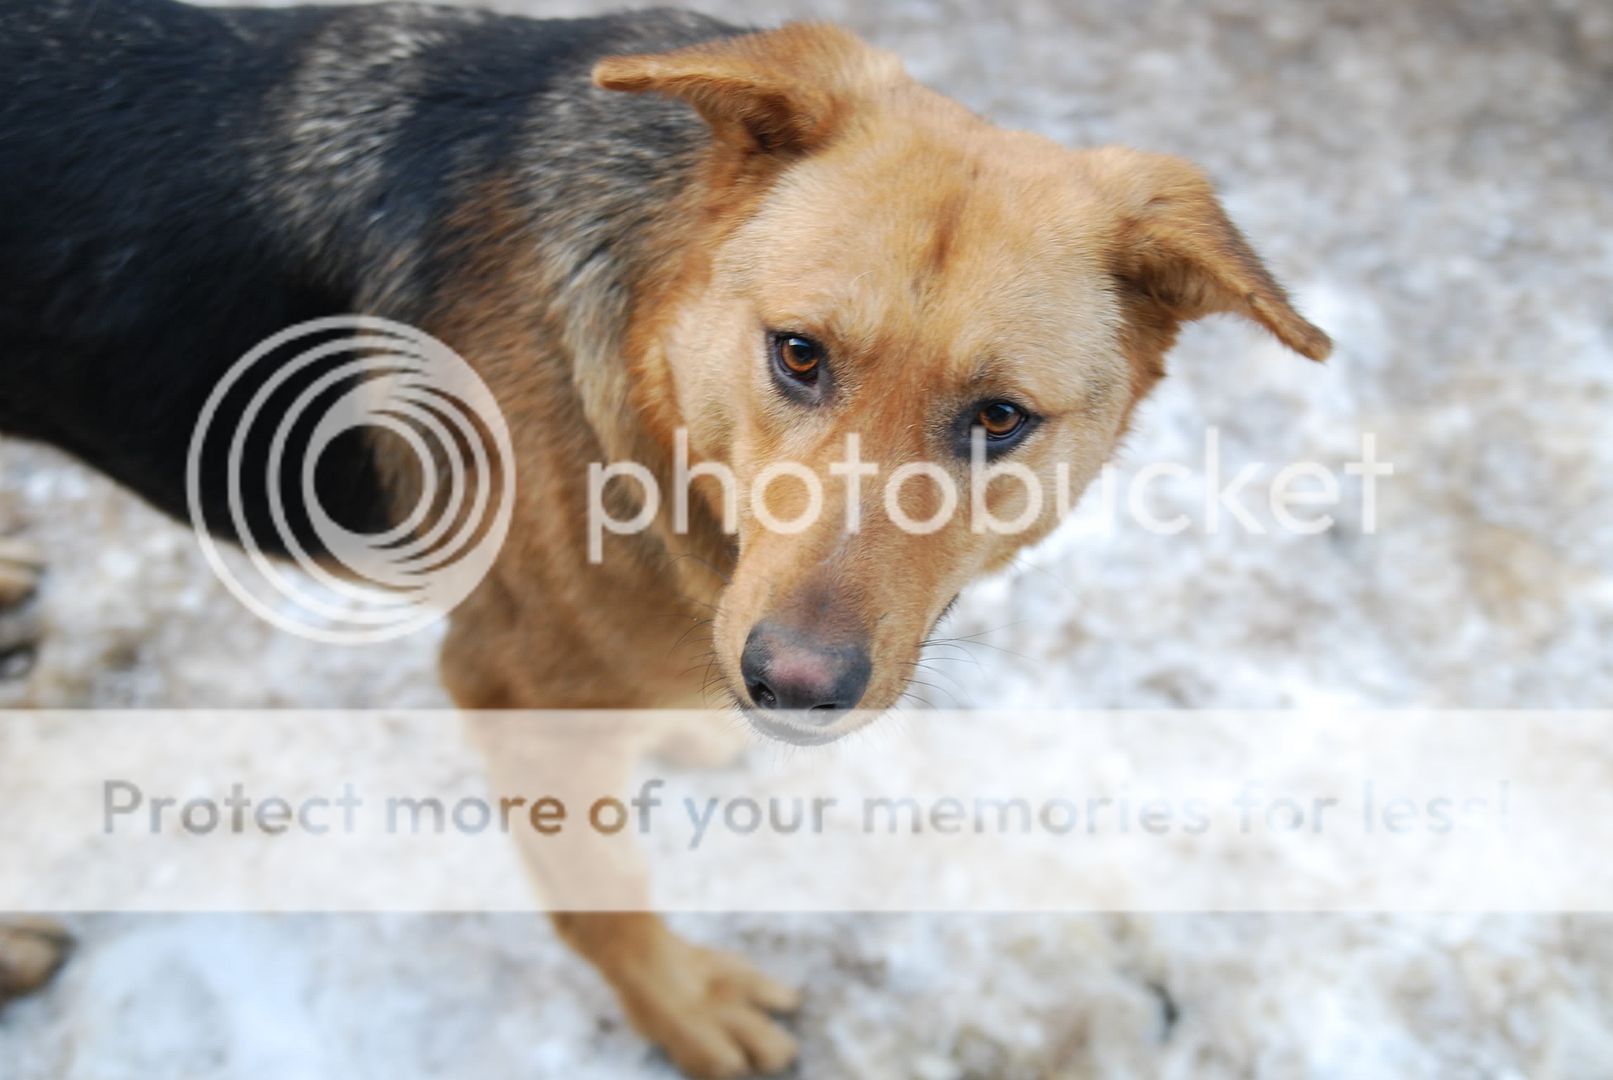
643	231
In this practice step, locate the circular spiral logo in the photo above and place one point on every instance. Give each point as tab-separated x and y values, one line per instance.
311	394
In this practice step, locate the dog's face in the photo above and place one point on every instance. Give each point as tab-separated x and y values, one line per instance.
901	296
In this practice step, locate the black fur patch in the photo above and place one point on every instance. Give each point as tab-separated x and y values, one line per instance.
181	183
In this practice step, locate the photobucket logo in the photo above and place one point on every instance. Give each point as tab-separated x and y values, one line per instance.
1298	498
280	409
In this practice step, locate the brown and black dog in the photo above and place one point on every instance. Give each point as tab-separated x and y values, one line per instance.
787	241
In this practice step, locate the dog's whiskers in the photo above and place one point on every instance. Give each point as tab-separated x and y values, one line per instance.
964	641
695	623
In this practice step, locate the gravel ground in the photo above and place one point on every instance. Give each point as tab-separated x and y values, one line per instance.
1432	180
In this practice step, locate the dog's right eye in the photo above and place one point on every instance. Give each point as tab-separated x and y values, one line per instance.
797	358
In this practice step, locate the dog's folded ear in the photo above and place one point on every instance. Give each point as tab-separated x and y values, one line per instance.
785	91
1178	251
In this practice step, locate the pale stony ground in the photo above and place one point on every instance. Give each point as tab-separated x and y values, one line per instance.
1433	180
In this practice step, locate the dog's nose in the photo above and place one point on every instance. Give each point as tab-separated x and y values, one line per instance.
786	668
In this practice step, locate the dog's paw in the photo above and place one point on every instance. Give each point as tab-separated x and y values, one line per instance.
20	567
31	951
710	1011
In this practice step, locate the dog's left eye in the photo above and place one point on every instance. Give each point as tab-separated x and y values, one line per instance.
1001	426
797	357
1001	419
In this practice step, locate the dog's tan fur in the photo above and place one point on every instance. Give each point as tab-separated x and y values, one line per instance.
941	261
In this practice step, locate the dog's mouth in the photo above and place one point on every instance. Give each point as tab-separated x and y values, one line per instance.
803	728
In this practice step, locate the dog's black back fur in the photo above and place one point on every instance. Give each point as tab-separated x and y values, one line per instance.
180	183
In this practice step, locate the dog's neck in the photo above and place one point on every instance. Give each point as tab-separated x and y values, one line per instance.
559	287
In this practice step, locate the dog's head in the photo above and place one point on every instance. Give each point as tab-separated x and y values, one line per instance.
887	267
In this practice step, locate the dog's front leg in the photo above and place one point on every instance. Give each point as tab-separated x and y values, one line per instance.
708	1010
